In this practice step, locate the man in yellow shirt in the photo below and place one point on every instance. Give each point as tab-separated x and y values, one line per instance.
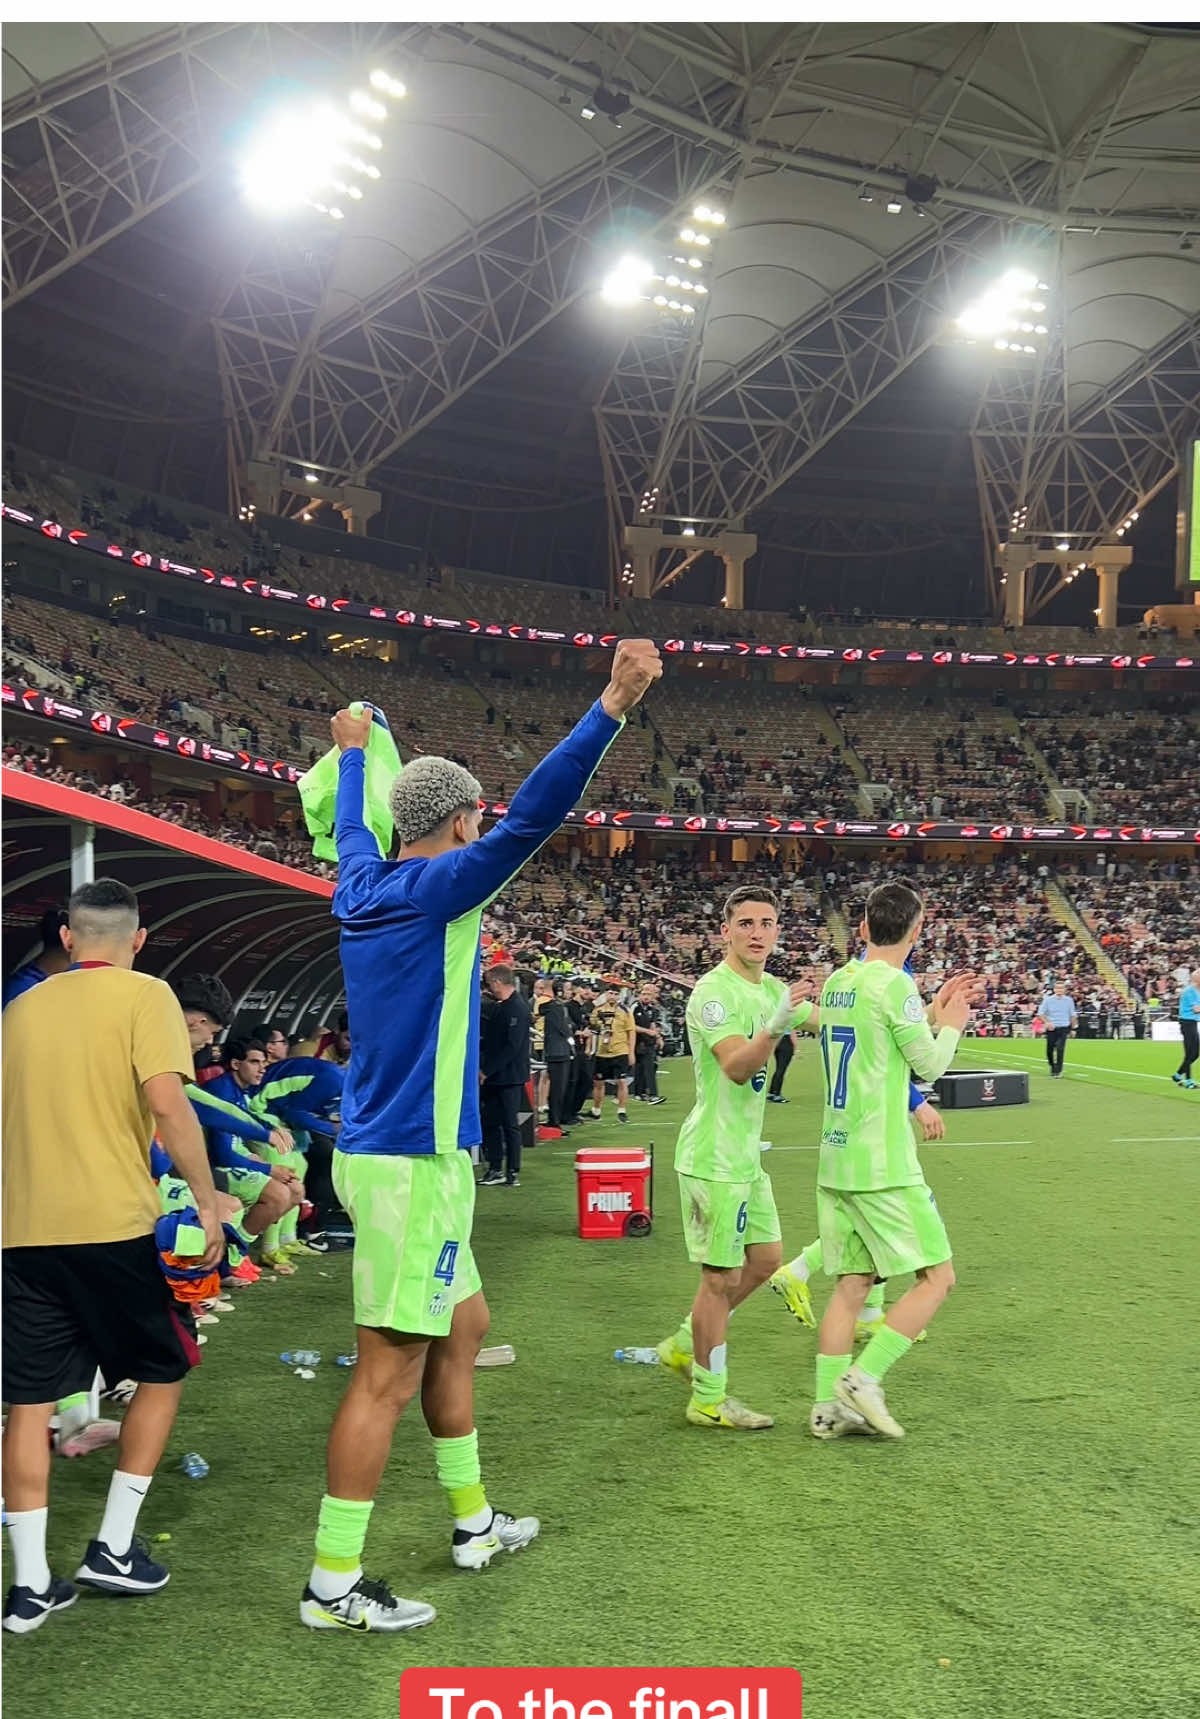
617	1037
81	1278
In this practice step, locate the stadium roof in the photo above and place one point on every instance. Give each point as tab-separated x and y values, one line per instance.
447	337
264	929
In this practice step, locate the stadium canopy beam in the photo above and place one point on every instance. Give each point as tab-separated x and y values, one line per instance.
738	442
1042	200
75	178
347	393
1045	468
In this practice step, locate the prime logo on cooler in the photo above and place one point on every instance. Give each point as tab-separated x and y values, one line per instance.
614	1201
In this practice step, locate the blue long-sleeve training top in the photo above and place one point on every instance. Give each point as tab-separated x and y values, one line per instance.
220	1136
410	953
302	1091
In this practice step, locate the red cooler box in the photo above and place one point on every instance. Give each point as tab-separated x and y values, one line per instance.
614	1183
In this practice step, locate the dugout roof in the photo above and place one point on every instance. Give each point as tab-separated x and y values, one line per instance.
263	928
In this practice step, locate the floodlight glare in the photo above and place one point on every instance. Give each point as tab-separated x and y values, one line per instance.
625	282
290	157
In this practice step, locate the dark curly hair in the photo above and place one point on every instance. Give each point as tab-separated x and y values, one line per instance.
205	993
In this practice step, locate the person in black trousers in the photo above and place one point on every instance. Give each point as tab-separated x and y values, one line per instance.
646	1048
579	1008
784	1052
504	1069
558	1049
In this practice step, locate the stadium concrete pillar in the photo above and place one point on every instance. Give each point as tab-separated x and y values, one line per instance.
358	508
735	548
1108	578
642	543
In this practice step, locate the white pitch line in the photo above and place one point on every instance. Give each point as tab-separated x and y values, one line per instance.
1155	1140
1077	1073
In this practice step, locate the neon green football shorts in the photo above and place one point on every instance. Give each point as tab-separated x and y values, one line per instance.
412	1222
885	1231
722	1219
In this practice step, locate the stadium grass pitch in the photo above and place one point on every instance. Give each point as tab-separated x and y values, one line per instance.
1037	1528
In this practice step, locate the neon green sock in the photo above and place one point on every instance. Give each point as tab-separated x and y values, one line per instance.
709	1389
458	1472
874	1299
243	1234
270	1237
65	1403
287	1226
683	1337
342	1533
813	1257
883	1351
829	1370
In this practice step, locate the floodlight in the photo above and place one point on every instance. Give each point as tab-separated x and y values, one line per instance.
688	531
625	282
361	102
291	156
310	477
1062	543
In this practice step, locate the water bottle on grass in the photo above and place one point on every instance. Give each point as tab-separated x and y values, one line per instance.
639	1357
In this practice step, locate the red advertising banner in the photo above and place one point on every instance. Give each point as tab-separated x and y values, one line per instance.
409	619
664	1692
849	829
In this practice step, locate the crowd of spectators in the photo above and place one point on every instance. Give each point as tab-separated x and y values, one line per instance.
1144	918
1134	766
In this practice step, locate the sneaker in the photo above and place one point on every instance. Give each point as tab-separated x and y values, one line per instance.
506	1534
659	1100
1189	1086
796	1295
120	1393
493	1179
677	1359
294	1249
622	1116
831	1420
206	1319
134	1572
776	1098
856	1391
513	1182
279	1261
245	1271
221	1305
594	1114
730	1413
1177	1078
25	1611
368	1605
95	1436
315	1242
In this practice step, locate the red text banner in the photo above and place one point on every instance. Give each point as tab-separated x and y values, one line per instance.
622	1692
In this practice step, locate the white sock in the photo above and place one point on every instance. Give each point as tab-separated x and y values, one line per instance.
870	1315
476	1524
799	1266
27	1537
332	1584
125	1494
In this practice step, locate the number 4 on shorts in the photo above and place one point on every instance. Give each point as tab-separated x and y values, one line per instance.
444	1269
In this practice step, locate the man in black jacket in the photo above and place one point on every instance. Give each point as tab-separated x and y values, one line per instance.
579	1009
558	1047
504	1069
646	1049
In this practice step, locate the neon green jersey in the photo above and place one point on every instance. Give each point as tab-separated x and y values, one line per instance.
873	1031
720	1137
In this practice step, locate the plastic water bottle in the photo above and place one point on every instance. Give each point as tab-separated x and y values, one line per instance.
300	1357
639	1357
350	1360
194	1466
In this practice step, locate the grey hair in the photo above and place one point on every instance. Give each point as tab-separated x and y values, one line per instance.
427	792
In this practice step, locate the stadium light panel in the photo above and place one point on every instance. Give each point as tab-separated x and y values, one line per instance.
626	281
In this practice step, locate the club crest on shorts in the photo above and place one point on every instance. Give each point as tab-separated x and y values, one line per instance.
437	1306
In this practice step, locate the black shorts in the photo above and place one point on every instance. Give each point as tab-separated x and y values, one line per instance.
613	1068
71	1310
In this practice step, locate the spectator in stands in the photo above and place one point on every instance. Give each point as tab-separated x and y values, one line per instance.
53	958
82	1284
504	1069
616	1038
